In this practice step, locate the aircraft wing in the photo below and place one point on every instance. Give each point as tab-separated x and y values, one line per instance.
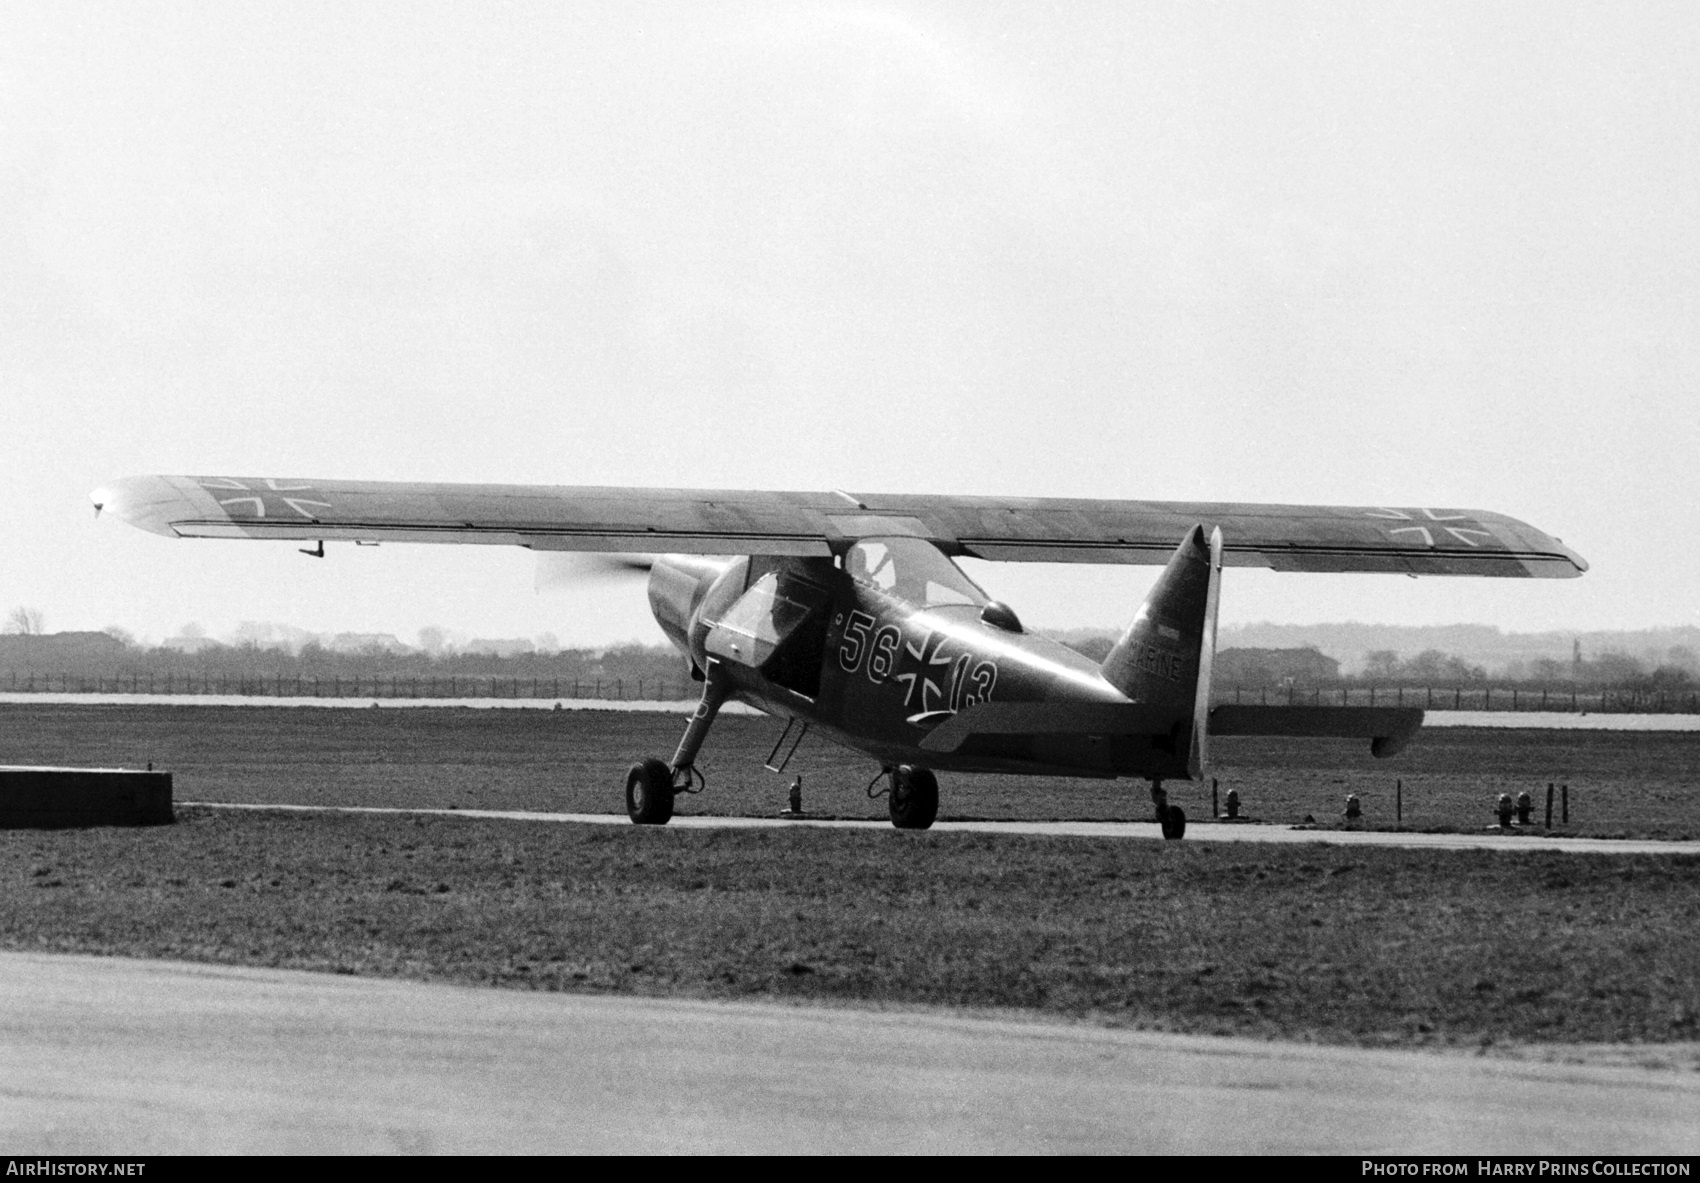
1388	539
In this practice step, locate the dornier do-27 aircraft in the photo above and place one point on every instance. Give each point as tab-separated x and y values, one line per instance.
845	612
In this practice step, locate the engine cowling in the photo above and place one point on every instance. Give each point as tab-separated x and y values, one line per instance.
681	586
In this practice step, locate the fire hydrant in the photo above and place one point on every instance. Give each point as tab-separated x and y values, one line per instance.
1233	803
1525	807
1354	809
1503	809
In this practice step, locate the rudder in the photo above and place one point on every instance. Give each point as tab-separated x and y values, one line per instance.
1164	657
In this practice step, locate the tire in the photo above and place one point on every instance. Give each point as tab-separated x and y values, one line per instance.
649	793
914	797
1174	822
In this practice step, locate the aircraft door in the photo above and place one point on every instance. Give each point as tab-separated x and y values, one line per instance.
778	628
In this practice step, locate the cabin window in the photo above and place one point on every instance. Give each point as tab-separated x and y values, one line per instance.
769	611
912	570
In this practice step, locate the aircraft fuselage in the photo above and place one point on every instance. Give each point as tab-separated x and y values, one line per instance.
877	671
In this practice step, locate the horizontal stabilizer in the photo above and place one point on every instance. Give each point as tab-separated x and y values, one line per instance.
1051	718
1388	729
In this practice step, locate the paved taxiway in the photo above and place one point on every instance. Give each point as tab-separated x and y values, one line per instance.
1206	831
122	1057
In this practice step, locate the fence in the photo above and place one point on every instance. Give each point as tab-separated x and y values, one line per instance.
1434	698
450	686
1476	698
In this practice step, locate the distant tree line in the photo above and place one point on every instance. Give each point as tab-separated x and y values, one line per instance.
256	653
1432	667
101	655
24	621
1306	667
1610	670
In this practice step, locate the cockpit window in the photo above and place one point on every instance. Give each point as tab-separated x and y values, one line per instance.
913	570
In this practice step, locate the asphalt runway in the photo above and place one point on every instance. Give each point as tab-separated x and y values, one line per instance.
1205	831
106	1056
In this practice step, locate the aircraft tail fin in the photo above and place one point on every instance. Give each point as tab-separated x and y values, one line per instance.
1164	658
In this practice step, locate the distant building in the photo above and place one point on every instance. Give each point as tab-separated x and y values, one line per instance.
500	646
187	644
1274	667
365	643
59	651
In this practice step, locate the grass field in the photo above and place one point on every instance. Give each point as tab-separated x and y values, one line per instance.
1333	944
1621	783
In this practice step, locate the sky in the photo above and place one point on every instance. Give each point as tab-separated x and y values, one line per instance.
1412	254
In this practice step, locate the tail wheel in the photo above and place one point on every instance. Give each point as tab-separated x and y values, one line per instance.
649	793
1174	822
914	797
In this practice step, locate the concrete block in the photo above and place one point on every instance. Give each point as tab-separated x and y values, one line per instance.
55	798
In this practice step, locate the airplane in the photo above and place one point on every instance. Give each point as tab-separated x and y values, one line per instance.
846	612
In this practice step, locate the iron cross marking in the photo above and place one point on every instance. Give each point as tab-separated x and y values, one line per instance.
263	499
917	667
1465	534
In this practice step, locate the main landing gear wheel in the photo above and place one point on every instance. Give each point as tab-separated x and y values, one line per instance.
1174	822
649	793
914	797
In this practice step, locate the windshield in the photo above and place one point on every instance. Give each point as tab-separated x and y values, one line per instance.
912	570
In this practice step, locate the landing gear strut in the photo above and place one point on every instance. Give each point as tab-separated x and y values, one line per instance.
651	785
1172	818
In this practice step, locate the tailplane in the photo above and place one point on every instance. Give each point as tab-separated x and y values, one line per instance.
1163	663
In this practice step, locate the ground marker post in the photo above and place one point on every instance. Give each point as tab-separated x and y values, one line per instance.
1565	795
1215	811
1399	802
796	807
1549	805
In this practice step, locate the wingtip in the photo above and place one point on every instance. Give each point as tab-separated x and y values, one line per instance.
146	502
1564	564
